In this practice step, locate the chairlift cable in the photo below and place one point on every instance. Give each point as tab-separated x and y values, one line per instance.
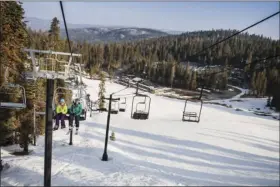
65	25
223	40
68	37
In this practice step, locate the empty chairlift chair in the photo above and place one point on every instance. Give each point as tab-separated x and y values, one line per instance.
12	96
192	116
122	106
88	102
115	107
137	112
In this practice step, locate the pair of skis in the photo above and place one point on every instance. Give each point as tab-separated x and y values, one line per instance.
76	133
56	128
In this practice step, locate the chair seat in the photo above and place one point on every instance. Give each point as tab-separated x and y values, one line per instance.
190	114
122	109
12	105
140	112
41	113
140	115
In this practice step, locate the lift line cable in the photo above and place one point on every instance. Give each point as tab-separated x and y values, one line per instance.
65	25
223	40
67	34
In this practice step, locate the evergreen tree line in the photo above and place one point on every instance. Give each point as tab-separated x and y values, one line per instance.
170	50
266	82
165	60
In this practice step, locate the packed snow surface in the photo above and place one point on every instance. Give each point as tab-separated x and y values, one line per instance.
226	148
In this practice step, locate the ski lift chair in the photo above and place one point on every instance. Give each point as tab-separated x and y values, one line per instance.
83	116
8	91
138	113
46	64
122	105
92	107
115	107
81	95
89	103
58	92
192	116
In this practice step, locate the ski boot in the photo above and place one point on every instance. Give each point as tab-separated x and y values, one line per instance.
70	128
55	127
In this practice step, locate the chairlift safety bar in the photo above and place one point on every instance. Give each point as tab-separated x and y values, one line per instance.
51	52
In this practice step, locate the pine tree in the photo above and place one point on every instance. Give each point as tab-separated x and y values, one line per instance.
26	116
193	82
262	83
12	39
253	83
264	86
187	76
99	56
224	80
258	83
101	93
54	35
249	60
172	74
268	104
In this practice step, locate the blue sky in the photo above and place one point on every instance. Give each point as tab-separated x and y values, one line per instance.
179	16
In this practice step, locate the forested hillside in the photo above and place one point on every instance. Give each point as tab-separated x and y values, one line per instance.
165	60
14	39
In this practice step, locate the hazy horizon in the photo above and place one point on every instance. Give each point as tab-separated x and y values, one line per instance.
166	16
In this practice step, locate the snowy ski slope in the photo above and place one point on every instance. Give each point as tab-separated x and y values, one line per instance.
226	148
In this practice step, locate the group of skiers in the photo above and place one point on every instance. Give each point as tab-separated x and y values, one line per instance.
74	111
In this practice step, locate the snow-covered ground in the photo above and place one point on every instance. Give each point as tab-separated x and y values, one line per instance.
248	106
227	147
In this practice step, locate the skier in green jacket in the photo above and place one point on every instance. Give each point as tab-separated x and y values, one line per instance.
75	111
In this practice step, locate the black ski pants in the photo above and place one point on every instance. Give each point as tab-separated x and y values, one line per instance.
71	119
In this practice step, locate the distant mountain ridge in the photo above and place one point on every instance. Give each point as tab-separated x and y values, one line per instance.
98	33
104	34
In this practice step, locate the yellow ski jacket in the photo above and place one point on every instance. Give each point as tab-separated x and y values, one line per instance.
61	109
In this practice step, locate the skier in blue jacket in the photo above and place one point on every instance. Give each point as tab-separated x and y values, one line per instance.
74	113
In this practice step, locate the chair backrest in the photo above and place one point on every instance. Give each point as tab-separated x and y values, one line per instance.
12	96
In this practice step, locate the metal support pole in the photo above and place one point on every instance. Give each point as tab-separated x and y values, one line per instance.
34	126
105	155
48	133
71	136
200	96
90	108
1	166
137	85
